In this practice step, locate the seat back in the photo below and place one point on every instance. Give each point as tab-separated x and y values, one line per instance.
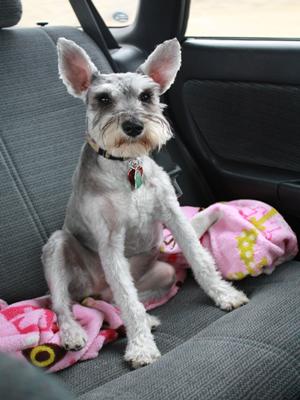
41	132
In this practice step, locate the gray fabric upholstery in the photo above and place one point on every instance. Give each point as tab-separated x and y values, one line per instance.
208	369
42	129
222	355
10	12
251	353
20	381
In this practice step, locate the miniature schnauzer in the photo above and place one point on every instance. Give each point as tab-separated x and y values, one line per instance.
109	243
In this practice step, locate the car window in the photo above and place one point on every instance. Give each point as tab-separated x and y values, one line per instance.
244	18
116	13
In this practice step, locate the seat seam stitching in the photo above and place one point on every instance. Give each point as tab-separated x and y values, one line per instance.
250	342
19	185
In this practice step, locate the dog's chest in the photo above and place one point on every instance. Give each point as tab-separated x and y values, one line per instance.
143	229
107	192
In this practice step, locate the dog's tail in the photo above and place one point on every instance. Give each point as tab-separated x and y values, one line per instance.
203	220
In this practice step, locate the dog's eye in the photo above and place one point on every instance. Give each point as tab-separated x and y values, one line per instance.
145	97
104	98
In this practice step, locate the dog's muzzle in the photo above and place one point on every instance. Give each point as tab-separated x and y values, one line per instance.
132	128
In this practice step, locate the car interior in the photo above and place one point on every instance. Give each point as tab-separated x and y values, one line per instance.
235	112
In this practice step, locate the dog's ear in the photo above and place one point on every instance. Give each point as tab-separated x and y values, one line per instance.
163	64
75	67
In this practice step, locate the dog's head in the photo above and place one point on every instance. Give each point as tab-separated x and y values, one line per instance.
124	113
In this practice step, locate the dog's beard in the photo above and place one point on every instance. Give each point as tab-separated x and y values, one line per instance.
111	137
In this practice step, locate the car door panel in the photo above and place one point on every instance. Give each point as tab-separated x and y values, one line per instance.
236	106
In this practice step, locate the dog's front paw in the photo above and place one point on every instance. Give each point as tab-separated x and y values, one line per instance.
230	298
141	353
73	336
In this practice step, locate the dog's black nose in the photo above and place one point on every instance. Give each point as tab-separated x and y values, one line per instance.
132	128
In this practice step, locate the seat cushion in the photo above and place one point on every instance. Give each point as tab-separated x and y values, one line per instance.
41	133
20	381
253	348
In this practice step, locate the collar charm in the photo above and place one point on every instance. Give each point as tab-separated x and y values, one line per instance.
135	173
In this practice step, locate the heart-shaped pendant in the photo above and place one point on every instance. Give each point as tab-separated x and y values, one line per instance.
135	173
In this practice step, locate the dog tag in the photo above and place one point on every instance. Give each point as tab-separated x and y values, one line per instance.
135	173
138	180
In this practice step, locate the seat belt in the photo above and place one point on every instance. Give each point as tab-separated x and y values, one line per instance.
164	159
93	24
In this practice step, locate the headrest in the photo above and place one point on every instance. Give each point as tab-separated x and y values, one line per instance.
10	12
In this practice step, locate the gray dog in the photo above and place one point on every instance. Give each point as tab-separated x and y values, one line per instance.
110	239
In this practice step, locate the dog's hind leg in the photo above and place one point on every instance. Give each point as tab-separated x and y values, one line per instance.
156	282
57	259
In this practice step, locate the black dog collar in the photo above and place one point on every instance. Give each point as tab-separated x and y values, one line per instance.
102	152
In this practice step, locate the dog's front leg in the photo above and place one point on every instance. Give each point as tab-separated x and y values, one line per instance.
141	348
200	260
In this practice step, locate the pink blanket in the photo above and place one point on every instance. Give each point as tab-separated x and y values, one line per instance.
249	238
28	329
